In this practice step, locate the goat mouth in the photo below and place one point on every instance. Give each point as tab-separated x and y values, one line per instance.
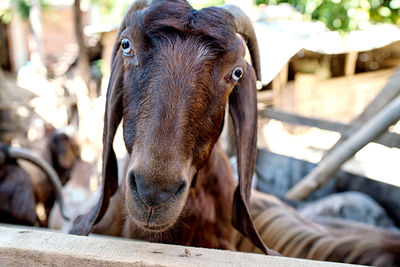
152	226
156	228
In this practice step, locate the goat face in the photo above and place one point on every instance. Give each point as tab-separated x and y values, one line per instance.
175	90
173	70
64	151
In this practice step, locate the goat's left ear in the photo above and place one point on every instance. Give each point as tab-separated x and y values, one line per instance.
243	110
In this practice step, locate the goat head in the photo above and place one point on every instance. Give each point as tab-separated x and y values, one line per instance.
174	70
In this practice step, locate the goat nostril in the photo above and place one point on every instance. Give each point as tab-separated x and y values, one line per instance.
132	181
154	194
181	189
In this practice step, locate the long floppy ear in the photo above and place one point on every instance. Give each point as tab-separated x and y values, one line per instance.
243	110
83	224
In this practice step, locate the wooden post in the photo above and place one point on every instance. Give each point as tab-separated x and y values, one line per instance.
37	46
9	124
330	164
18	41
278	84
350	63
83	57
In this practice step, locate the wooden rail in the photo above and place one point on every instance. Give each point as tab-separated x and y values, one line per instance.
346	130
331	163
24	246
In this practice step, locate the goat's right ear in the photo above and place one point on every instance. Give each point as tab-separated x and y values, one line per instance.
83	224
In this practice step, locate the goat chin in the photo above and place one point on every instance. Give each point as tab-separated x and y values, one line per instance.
157	219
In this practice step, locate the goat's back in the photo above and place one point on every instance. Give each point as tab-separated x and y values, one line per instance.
17	201
285	231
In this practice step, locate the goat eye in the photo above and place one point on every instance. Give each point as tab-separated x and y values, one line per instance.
237	73
126	46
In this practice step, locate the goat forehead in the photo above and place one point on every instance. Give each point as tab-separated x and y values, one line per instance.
177	56
181	84
175	88
192	50
180	97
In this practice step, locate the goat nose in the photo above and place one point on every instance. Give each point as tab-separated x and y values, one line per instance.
156	194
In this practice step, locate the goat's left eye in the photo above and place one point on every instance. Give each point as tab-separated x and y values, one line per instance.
237	73
126	46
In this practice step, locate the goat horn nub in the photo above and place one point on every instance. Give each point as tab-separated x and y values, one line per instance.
140	4
244	26
21	153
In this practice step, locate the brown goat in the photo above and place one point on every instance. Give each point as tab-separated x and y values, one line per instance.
75	174
17	200
78	195
62	153
17	196
173	71
285	231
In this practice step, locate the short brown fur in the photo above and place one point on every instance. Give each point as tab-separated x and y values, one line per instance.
284	230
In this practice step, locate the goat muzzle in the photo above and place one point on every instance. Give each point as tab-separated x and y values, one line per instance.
154	203
155	196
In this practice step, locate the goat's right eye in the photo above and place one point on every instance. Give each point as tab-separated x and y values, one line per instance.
237	74
126	47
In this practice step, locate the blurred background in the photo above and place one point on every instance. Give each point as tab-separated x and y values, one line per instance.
324	63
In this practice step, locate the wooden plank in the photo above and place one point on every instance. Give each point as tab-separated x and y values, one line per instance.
387	138
30	247
385	96
291	118
265	97
390	91
330	164
341	98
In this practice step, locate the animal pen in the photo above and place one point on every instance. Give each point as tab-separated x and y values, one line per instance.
195	112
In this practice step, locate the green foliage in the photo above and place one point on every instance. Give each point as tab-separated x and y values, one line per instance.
5	16
106	6
388	11
96	67
23	8
109	11
345	15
